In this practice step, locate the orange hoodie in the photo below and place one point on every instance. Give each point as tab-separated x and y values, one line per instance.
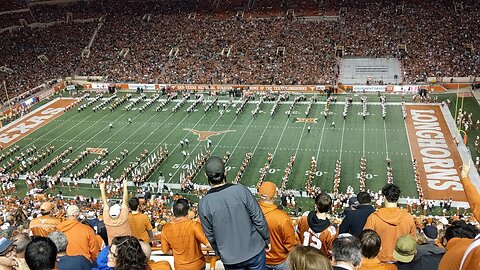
81	239
390	223
282	234
473	198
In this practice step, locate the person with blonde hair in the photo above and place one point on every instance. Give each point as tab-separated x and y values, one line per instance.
307	258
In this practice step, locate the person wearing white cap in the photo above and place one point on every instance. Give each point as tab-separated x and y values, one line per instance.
116	216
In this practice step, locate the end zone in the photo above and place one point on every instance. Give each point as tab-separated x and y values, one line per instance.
433	144
27	124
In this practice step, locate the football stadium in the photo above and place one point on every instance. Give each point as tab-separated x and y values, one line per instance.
149	127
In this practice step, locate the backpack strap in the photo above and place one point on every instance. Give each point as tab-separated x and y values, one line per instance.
472	246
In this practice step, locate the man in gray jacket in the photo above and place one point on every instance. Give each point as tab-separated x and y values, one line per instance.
233	221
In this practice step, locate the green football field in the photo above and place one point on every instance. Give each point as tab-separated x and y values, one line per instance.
282	136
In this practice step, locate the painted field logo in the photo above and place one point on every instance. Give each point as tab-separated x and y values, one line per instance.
97	151
306	120
204	135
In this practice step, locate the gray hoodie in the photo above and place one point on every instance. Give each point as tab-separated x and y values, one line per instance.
233	223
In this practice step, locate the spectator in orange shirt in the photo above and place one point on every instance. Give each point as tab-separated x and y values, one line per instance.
81	237
160	265
184	237
390	222
280	226
44	224
459	236
471	259
139	223
315	229
371	243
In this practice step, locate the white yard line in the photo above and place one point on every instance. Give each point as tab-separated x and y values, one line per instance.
341	145
279	140
321	139
301	137
385	133
239	140
363	141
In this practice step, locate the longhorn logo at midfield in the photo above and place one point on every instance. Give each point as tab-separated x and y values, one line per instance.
204	135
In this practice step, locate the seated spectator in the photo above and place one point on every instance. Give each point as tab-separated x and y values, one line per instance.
7	253
125	253
21	241
307	258
44	224
64	261
371	244
404	252
160	265
355	220
41	254
346	253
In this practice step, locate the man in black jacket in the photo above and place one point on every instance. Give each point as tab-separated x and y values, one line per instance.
355	220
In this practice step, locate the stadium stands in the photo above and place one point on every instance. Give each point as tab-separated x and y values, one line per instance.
163	42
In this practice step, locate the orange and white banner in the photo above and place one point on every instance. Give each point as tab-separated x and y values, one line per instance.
436	153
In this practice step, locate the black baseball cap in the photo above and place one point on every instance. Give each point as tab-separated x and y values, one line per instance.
215	169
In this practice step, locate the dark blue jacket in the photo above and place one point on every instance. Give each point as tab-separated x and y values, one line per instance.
355	220
73	263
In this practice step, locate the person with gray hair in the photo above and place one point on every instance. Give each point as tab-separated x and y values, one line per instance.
64	261
346	252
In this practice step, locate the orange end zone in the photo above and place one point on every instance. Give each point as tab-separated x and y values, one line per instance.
434	148
20	128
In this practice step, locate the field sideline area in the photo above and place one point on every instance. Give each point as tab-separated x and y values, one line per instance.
280	135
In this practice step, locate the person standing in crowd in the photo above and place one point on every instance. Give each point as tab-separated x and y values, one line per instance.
280	226
458	236
116	216
371	242
184	237
355	220
81	237
307	258
44	224
390	222
315	229
66	262
429	247
233	221
139	223
346	252
470	258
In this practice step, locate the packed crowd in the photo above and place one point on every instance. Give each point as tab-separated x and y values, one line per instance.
46	232
208	50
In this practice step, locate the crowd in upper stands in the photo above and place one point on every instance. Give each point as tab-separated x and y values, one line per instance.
163	42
